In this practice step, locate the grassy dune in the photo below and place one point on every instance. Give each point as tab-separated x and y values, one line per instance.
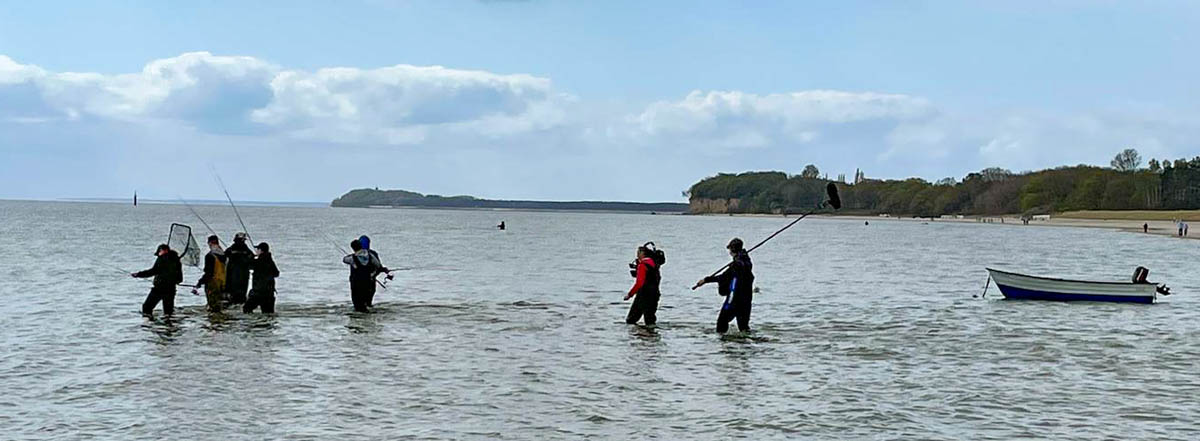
1139	215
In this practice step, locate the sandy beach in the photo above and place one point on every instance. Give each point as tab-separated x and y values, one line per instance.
1156	227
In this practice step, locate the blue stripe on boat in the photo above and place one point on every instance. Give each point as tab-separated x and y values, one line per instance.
1025	294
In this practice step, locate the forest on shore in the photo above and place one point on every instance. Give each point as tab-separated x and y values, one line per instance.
1125	185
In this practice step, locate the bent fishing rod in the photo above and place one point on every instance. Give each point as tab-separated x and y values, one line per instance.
230	199
833	200
210	229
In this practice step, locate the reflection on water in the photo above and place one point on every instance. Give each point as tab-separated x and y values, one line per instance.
860	332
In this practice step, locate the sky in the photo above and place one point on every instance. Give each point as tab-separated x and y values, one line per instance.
567	100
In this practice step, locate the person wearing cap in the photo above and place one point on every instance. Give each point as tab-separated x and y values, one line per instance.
167	272
262	292
213	279
737	285
237	270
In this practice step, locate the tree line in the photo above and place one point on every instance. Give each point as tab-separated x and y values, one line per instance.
992	191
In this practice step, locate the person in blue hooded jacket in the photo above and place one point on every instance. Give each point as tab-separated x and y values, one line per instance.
364	268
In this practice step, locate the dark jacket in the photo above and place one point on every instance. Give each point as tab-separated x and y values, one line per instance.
237	266
265	273
739	277
167	271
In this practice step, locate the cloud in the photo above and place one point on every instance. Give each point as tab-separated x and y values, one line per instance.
732	119
244	95
402	103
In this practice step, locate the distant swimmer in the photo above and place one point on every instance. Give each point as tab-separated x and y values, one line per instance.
237	276
646	271
213	279
262	293
167	272
501	226
364	267
737	285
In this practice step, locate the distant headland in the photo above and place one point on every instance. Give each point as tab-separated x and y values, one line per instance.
376	198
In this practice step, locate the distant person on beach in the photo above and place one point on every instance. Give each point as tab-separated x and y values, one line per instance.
737	285
237	271
1185	228
1180	228
213	279
1146	228
167	272
262	291
646	271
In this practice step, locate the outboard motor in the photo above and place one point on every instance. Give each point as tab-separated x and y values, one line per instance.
1140	274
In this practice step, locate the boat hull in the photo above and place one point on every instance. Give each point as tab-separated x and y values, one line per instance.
1023	287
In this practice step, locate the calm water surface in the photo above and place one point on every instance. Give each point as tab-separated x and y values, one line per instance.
861	332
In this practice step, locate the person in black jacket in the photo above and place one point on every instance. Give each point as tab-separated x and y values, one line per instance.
646	271
262	293
364	267
237	270
167	272
737	285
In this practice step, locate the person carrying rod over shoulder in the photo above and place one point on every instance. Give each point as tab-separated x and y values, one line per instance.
646	271
736	283
239	258
167	272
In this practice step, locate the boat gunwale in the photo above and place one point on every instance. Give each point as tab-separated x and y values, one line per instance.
1061	280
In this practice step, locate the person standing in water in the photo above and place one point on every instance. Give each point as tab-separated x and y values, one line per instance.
167	272
364	267
213	279
646	270
237	272
737	285
262	293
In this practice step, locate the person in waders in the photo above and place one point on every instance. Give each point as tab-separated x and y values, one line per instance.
167	272
364	267
213	279
646	271
262	293
237	270
737	285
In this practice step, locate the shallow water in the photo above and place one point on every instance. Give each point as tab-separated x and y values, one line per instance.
861	332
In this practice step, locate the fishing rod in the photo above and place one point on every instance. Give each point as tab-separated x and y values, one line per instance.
109	265
194	213
832	201
230	199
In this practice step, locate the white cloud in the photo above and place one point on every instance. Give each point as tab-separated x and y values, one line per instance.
223	94
739	119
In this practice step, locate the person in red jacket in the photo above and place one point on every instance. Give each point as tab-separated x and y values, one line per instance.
647	275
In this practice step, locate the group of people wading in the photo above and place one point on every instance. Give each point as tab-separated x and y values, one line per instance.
227	280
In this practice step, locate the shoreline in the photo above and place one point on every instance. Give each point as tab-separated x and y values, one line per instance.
1159	228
